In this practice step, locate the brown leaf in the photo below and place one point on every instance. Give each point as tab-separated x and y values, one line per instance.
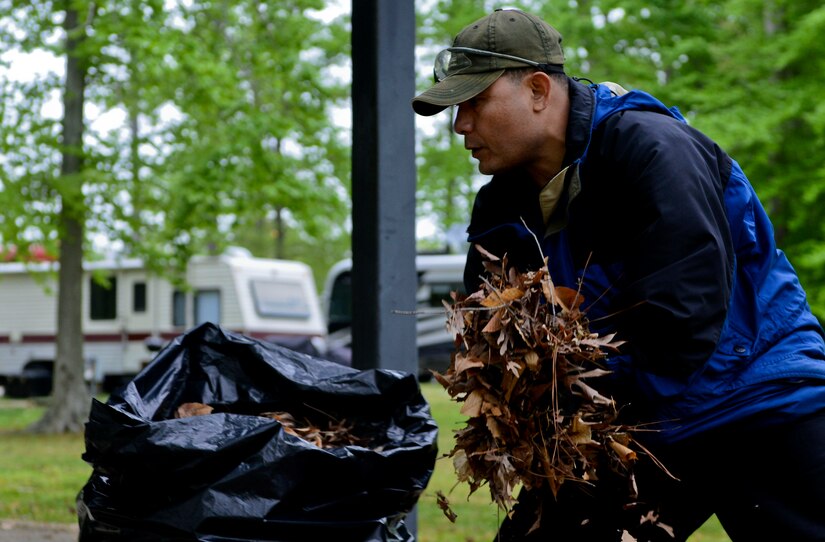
593	373
444	504
285	418
532	360
472	404
589	392
465	361
580	432
548	289
441	379
652	517
187	410
461	465
494	324
569	297
481	250
495	298
494	427
455	320
595	341
625	454
514	368
493	268
474	298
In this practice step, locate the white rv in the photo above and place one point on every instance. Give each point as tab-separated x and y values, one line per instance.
127	320
438	275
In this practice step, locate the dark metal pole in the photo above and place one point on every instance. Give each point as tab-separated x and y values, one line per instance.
383	188
383	184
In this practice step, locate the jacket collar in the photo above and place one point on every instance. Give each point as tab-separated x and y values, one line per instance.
579	121
577	139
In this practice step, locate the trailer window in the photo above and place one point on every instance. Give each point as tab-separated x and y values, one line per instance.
139	297
207	306
279	299
178	308
103	299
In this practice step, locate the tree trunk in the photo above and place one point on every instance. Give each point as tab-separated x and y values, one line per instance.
69	406
280	234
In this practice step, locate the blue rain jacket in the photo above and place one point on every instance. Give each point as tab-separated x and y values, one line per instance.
671	248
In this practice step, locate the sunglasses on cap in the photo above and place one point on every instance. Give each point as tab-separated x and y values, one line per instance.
454	60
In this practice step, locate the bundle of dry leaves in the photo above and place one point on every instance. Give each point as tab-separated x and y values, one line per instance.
523	370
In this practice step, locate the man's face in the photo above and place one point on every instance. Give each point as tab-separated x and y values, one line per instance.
497	128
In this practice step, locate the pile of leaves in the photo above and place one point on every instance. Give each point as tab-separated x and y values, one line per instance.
327	434
526	371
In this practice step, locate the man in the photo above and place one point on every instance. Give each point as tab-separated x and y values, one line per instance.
666	239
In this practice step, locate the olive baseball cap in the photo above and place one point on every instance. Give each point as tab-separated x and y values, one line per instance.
507	38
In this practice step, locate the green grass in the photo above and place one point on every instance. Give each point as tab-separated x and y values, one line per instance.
478	517
40	476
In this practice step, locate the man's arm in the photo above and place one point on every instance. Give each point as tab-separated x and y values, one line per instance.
678	252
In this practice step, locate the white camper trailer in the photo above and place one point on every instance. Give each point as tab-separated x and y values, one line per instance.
127	320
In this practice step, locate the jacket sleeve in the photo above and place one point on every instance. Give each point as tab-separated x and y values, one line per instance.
663	182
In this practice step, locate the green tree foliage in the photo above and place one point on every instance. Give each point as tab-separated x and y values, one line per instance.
255	143
218	115
224	120
764	104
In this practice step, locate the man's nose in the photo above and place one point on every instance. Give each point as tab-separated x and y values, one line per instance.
462	123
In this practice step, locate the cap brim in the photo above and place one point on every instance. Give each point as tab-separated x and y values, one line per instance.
453	90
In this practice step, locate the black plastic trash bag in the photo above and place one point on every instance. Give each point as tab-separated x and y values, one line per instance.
235	475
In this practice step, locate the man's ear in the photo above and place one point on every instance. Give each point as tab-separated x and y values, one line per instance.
540	85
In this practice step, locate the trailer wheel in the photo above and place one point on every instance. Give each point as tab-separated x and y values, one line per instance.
35	380
16	388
